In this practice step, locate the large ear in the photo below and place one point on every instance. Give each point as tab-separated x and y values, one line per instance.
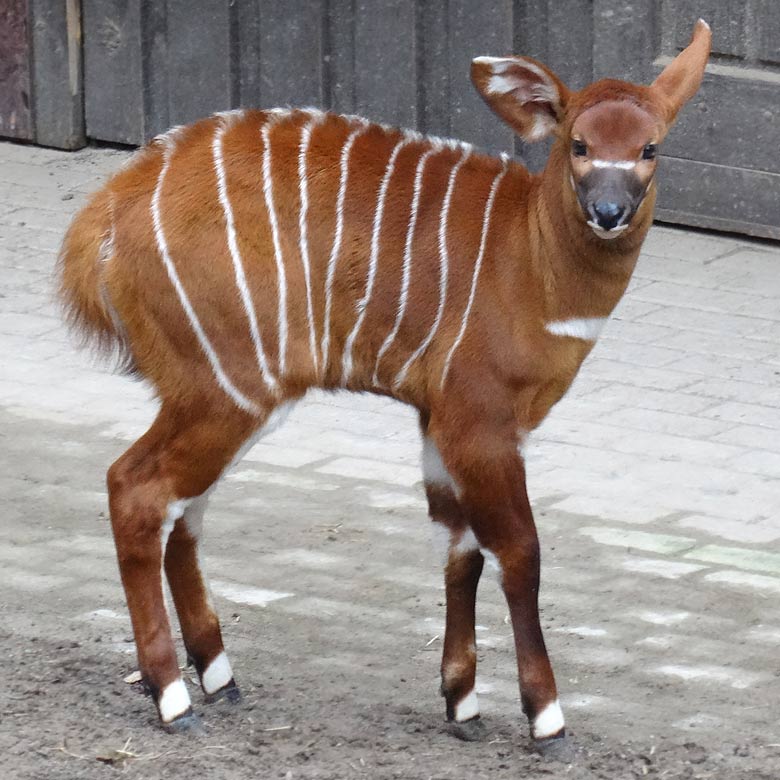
680	79
523	92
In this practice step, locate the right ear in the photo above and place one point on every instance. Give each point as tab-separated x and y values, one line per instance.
523	92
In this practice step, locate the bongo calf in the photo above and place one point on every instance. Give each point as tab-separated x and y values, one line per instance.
239	261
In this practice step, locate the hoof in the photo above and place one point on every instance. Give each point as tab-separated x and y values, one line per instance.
187	723
473	730
229	693
556	749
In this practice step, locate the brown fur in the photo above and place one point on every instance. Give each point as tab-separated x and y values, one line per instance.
542	264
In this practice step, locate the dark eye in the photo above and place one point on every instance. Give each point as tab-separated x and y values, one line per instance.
649	152
578	149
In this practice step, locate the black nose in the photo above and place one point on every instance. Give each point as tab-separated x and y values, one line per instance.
607	214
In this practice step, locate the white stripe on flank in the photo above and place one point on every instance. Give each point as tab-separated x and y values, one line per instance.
585	328
336	248
407	264
475	276
304	240
282	277
238	265
162	245
443	270
373	262
625	165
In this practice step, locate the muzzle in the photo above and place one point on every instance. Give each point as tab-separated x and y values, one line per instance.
609	198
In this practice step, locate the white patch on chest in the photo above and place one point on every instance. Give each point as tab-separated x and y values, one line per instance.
585	328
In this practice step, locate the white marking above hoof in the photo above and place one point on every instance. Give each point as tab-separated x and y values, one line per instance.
548	722
467	708
174	701
217	674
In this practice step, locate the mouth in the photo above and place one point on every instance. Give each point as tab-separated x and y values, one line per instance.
607	235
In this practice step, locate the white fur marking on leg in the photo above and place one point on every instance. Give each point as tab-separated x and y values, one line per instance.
373	262
467	543
162	246
336	248
174	701
585	328
217	674
548	722
441	537
268	192
304	240
238	265
492	561
444	261
407	262
475	276
433	468
468	707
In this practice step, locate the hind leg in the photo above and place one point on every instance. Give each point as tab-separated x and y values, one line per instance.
197	617
150	488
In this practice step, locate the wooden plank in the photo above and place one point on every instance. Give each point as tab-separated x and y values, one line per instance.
715	196
15	115
433	85
154	68
767	28
291	36
199	80
733	120
246	40
625	39
340	56
470	34
561	36
56	73
112	70
386	62
727	19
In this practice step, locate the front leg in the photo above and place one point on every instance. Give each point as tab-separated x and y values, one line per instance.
489	478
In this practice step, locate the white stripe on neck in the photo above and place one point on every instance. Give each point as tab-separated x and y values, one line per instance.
585	328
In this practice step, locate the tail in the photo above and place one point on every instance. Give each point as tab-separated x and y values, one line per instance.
86	253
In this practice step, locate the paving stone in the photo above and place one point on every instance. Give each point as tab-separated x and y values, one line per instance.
659	567
663	544
738	557
743	579
746	529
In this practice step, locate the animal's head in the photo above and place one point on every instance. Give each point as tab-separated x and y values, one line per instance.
609	132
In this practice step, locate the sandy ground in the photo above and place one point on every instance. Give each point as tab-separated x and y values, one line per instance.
340	677
655	486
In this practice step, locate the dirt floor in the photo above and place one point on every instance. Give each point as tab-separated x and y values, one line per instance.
338	666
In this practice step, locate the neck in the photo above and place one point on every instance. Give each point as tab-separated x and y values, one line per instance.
583	275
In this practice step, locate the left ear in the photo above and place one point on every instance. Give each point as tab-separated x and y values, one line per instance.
523	92
680	79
